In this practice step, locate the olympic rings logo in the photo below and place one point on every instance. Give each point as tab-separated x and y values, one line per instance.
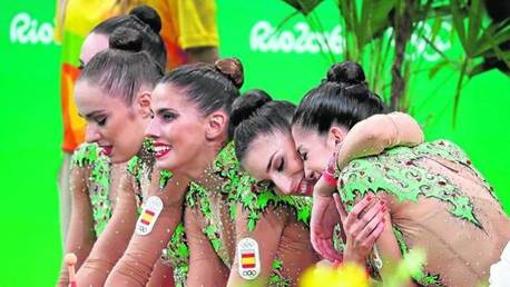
249	273
141	229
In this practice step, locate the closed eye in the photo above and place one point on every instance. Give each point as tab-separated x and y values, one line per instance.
279	168
101	121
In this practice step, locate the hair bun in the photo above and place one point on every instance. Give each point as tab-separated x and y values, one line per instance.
232	69
349	73
358	91
147	15
245	106
126	39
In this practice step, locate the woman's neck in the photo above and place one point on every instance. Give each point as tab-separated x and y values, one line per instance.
202	172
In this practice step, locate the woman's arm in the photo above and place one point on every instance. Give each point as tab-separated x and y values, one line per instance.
205	266
113	241
162	275
377	133
267	234
81	236
389	251
371	137
137	263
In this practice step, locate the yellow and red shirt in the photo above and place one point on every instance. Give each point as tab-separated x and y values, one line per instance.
185	24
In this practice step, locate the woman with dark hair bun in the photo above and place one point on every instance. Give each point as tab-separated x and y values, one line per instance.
236	237
95	42
436	200
110	174
186	29
265	149
143	19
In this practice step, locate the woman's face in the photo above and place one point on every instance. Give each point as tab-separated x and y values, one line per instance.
314	149
178	129
111	123
272	158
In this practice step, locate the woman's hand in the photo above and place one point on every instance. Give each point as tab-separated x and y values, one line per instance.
323	221
362	227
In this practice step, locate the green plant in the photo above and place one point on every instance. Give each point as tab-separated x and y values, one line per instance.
374	28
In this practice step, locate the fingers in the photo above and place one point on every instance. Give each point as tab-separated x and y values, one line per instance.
372	238
373	210
315	245
356	211
328	251
378	231
319	246
323	250
370	227
323	246
340	207
359	229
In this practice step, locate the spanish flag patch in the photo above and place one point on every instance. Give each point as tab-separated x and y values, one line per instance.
152	209
248	258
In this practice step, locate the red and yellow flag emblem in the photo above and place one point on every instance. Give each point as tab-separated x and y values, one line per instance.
248	259
147	217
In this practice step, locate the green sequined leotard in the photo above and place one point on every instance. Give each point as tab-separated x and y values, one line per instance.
89	156
439	202
239	189
140	167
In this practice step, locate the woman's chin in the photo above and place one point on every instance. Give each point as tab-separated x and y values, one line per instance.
284	192
162	164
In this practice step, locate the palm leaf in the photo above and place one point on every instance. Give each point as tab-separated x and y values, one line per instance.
492	36
458	22
374	19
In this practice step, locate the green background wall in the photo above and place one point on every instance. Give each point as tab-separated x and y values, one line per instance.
31	130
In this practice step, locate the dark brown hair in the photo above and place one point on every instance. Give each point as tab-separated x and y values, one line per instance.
122	69
342	98
212	87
